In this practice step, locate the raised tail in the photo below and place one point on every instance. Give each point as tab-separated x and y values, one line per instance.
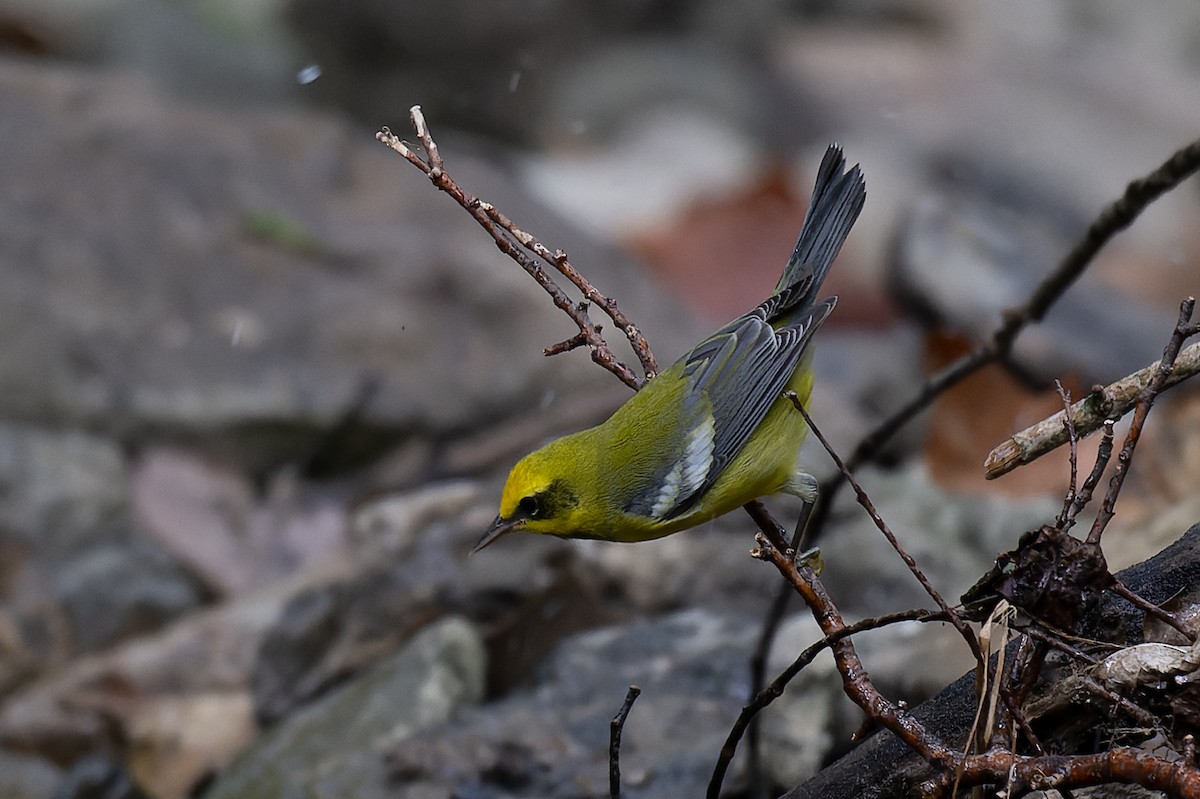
837	199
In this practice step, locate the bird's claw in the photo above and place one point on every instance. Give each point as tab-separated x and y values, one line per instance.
811	558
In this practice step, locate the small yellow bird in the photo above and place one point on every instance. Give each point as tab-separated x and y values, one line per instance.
712	432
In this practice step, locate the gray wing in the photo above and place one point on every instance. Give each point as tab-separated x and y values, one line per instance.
736	374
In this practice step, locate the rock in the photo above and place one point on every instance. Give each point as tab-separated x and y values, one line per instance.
211	517
196	49
114	592
999	248
509	76
58	488
97	777
591	184
177	742
20	657
101	701
334	747
551	737
954	538
188	321
329	632
649	575
1074	128
386	527
25	777
798	729
860	378
76	576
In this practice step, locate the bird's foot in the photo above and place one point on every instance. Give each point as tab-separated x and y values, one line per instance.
811	558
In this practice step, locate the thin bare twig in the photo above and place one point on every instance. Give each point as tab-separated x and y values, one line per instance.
1103	455
1064	518
607	304
773	691
514	243
855	681
955	620
1058	643
1141	603
615	727
1140	413
1021	774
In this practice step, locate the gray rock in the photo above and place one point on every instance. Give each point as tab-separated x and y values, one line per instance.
334	747
233	535
58	488
964	256
26	777
954	538
76	575
154	693
97	777
551	738
328	632
799	728
509	71
860	377
242	290
196	48
117	591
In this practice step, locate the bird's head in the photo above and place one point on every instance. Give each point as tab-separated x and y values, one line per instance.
542	495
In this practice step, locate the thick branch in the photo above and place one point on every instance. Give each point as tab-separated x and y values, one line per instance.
1089	414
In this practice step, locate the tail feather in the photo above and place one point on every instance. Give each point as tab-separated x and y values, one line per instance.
836	202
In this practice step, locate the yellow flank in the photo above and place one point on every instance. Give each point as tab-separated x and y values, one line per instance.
714	430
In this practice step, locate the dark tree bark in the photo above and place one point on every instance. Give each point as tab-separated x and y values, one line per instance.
883	768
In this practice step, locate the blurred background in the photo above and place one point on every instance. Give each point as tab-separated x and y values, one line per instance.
260	382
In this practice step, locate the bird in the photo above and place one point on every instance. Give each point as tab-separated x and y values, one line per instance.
713	431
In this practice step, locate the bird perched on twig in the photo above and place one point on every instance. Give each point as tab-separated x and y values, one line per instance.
714	430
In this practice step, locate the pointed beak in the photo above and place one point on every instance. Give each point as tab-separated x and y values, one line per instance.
499	528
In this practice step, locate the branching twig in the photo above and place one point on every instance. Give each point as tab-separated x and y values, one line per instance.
952	616
513	242
1145	402
855	681
1022	773
1111	402
775	690
1056	642
1112	220
615	727
1135	712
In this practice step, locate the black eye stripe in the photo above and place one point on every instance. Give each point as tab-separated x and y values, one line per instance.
549	503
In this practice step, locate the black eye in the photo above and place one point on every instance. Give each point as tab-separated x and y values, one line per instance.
530	506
